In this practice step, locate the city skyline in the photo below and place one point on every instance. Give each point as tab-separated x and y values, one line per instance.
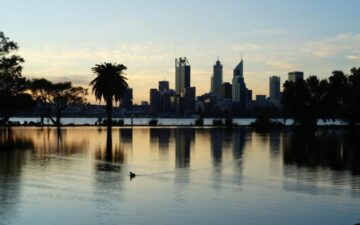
283	36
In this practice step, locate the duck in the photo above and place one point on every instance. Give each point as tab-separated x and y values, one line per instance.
132	175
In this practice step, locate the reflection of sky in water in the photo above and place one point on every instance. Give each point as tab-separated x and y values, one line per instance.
185	176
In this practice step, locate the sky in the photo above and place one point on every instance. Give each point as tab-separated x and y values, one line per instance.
63	40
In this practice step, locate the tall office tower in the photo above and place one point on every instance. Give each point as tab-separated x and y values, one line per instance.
226	90
294	76
239	90
190	95
182	75
274	89
217	78
154	100
127	101
163	86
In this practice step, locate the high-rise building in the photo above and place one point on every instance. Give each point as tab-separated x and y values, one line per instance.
154	100
217	78
226	90
239	69
239	91
274	89
182	75
127	101
163	86
190	95
294	76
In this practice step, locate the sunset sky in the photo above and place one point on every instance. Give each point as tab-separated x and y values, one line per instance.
62	40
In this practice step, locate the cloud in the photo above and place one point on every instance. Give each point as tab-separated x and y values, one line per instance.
340	44
353	57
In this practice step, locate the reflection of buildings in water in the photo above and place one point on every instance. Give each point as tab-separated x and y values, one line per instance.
308	158
154	136
126	135
216	141
160	136
183	140
239	138
14	153
164	138
275	137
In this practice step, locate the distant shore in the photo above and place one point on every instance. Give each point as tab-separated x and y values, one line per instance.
162	122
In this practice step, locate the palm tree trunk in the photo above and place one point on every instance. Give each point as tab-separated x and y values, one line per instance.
109	108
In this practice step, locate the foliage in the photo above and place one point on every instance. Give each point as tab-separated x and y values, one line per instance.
13	86
218	123
57	96
338	97
153	122
199	122
110	84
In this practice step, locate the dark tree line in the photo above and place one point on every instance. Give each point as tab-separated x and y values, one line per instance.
18	93
338	97
13	87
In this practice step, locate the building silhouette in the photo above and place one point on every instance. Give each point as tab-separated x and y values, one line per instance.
217	79
274	89
294	76
154	100
226	90
163	86
127	101
240	94
182	75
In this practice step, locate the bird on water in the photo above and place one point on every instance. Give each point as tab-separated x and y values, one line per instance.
132	175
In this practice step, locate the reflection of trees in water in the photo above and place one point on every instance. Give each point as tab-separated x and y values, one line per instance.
313	154
52	141
333	149
109	176
13	156
274	141
11	141
111	156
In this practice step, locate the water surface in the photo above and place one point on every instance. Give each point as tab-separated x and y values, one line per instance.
185	176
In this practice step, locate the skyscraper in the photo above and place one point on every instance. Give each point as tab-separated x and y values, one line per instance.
182	75
274	89
217	79
226	90
294	76
163	86
239	90
127	101
154	100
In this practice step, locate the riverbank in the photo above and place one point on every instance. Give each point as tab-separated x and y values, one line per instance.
165	122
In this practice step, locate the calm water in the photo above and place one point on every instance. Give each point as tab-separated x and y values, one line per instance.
185	176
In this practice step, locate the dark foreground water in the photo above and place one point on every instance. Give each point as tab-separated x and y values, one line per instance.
185	176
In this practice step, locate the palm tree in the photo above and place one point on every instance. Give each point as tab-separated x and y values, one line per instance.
109	84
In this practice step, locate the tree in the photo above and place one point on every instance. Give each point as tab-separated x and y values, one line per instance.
57	97
110	84
353	101
306	100
13	86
